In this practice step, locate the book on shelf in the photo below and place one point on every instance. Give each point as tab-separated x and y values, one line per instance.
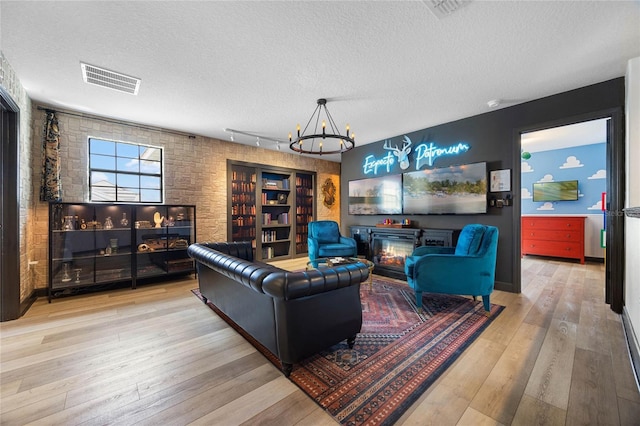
283	218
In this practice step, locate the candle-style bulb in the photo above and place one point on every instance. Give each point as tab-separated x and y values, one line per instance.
289	136
298	128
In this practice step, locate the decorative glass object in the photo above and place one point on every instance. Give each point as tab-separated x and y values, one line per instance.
65	273
124	222
68	223
108	224
113	243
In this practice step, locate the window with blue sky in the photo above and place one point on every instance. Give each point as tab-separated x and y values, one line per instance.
124	172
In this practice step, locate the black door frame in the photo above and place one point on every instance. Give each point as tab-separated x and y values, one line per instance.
614	251
10	210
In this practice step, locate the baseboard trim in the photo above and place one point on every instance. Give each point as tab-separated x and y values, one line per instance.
26	303
503	286
632	344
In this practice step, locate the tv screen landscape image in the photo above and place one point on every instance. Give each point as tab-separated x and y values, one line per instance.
555	191
380	195
458	189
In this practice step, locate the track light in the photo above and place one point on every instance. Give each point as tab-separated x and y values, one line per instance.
259	139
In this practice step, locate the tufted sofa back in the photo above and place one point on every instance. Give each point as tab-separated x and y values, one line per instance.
228	259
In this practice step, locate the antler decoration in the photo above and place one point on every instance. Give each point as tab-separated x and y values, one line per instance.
402	154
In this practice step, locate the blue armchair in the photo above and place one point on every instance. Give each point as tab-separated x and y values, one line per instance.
325	241
468	269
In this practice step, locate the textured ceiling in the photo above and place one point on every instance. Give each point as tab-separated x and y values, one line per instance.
386	68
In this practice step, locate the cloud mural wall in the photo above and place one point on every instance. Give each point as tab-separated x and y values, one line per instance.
586	164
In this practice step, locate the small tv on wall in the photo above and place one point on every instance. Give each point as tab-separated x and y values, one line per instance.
460	189
379	195
566	190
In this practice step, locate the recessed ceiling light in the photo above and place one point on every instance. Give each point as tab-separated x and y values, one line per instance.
493	103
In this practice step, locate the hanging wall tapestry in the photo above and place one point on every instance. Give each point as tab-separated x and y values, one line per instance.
50	188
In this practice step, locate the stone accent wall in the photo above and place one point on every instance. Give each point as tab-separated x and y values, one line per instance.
28	276
195	170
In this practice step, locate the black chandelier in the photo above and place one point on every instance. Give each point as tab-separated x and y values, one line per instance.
330	141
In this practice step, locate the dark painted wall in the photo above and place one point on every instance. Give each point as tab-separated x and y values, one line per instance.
494	138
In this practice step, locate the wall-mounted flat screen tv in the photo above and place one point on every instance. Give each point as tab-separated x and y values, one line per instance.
379	195
566	190
458	189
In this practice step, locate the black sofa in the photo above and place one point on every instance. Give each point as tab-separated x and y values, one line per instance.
293	314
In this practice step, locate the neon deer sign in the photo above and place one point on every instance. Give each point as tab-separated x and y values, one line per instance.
402	154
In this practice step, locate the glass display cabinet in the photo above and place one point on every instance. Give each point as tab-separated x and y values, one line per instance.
162	235
92	245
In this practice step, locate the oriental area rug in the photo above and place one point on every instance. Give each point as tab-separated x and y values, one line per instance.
398	354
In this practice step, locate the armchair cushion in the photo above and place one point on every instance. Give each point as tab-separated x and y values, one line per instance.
325	231
469	240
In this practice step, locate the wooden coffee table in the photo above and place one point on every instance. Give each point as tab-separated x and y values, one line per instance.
330	263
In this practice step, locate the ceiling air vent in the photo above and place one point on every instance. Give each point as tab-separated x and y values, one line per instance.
110	79
444	8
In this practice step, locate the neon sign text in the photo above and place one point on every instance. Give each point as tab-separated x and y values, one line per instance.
427	153
371	164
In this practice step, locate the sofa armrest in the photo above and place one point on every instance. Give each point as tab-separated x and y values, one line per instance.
348	241
246	272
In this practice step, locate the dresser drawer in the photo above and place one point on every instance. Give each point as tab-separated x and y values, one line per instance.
564	235
553	248
558	236
555	223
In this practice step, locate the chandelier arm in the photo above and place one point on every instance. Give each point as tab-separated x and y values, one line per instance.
311	118
334	127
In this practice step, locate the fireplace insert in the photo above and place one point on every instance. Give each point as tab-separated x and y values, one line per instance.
390	249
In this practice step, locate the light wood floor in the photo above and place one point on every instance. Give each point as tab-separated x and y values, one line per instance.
158	356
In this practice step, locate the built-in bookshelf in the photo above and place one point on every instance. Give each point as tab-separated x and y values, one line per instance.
271	207
304	209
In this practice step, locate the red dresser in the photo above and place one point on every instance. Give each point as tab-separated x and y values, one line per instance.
557	236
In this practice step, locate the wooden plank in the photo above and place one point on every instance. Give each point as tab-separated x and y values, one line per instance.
592	328
592	399
626	386
541	313
550	379
475	418
292	409
504	387
533	411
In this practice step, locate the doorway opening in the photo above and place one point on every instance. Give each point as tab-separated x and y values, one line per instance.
578	154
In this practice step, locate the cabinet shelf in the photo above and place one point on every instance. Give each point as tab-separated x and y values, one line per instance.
286	240
96	257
